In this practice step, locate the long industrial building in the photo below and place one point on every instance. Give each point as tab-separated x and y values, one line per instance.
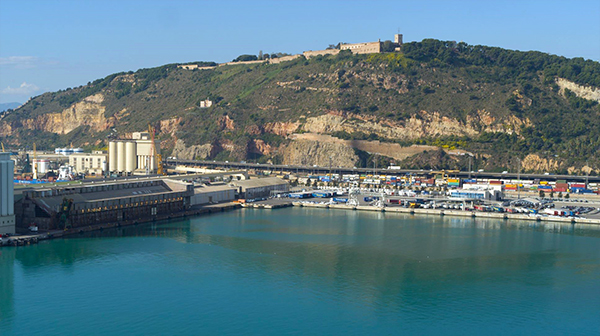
7	214
131	200
92	204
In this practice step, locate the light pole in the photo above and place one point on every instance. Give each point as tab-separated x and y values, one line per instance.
519	178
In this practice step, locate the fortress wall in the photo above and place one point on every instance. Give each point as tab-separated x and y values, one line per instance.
311	53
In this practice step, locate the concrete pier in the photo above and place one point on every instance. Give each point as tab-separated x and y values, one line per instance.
457	213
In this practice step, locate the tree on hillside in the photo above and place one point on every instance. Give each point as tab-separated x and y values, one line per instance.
388	46
245	58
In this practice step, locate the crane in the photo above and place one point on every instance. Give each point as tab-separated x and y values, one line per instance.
2	146
157	157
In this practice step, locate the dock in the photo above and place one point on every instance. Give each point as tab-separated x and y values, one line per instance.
433	212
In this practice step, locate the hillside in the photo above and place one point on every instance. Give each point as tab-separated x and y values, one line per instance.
501	105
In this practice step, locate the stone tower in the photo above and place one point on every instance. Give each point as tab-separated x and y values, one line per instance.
398	39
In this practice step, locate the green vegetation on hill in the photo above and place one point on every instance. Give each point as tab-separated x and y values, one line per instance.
455	80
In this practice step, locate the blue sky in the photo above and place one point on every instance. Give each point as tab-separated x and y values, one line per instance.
51	45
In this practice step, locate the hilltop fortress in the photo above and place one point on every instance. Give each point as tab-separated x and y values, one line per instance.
355	48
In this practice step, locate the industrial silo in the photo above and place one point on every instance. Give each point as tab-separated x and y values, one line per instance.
42	165
130	157
112	156
120	156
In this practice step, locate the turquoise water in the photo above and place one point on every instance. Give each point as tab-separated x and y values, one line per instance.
307	272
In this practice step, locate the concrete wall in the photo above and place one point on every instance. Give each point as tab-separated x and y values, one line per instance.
283	59
195	66
313	53
246	62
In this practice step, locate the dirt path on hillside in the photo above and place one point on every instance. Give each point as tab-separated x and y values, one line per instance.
392	150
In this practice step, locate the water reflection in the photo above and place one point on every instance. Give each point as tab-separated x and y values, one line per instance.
396	263
7	257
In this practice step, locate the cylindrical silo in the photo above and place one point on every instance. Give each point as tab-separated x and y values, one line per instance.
3	186
42	165
120	156
112	156
130	157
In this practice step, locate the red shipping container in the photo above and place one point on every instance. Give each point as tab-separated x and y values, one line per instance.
577	185
559	189
495	182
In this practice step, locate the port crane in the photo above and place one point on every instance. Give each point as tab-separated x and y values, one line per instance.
35	163
160	169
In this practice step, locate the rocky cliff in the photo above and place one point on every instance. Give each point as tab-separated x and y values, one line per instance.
582	91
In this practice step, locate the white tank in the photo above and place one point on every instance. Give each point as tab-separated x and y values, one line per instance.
112	156
42	166
130	157
120	156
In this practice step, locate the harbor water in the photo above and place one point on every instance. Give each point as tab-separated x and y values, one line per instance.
298	271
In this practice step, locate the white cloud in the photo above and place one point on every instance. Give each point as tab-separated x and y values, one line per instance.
24	89
19	62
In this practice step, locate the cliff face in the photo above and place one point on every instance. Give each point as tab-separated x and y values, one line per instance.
88	112
581	91
196	152
307	152
421	125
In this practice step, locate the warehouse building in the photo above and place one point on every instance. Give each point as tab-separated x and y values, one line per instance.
260	188
476	194
210	194
7	194
91	204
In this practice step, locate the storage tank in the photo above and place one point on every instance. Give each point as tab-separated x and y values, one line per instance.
130	157
120	156
42	166
112	156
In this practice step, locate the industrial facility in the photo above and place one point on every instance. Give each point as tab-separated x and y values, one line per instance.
87	163
139	155
131	200
7	214
260	188
76	206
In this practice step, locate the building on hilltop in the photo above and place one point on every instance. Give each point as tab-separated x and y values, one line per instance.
359	48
